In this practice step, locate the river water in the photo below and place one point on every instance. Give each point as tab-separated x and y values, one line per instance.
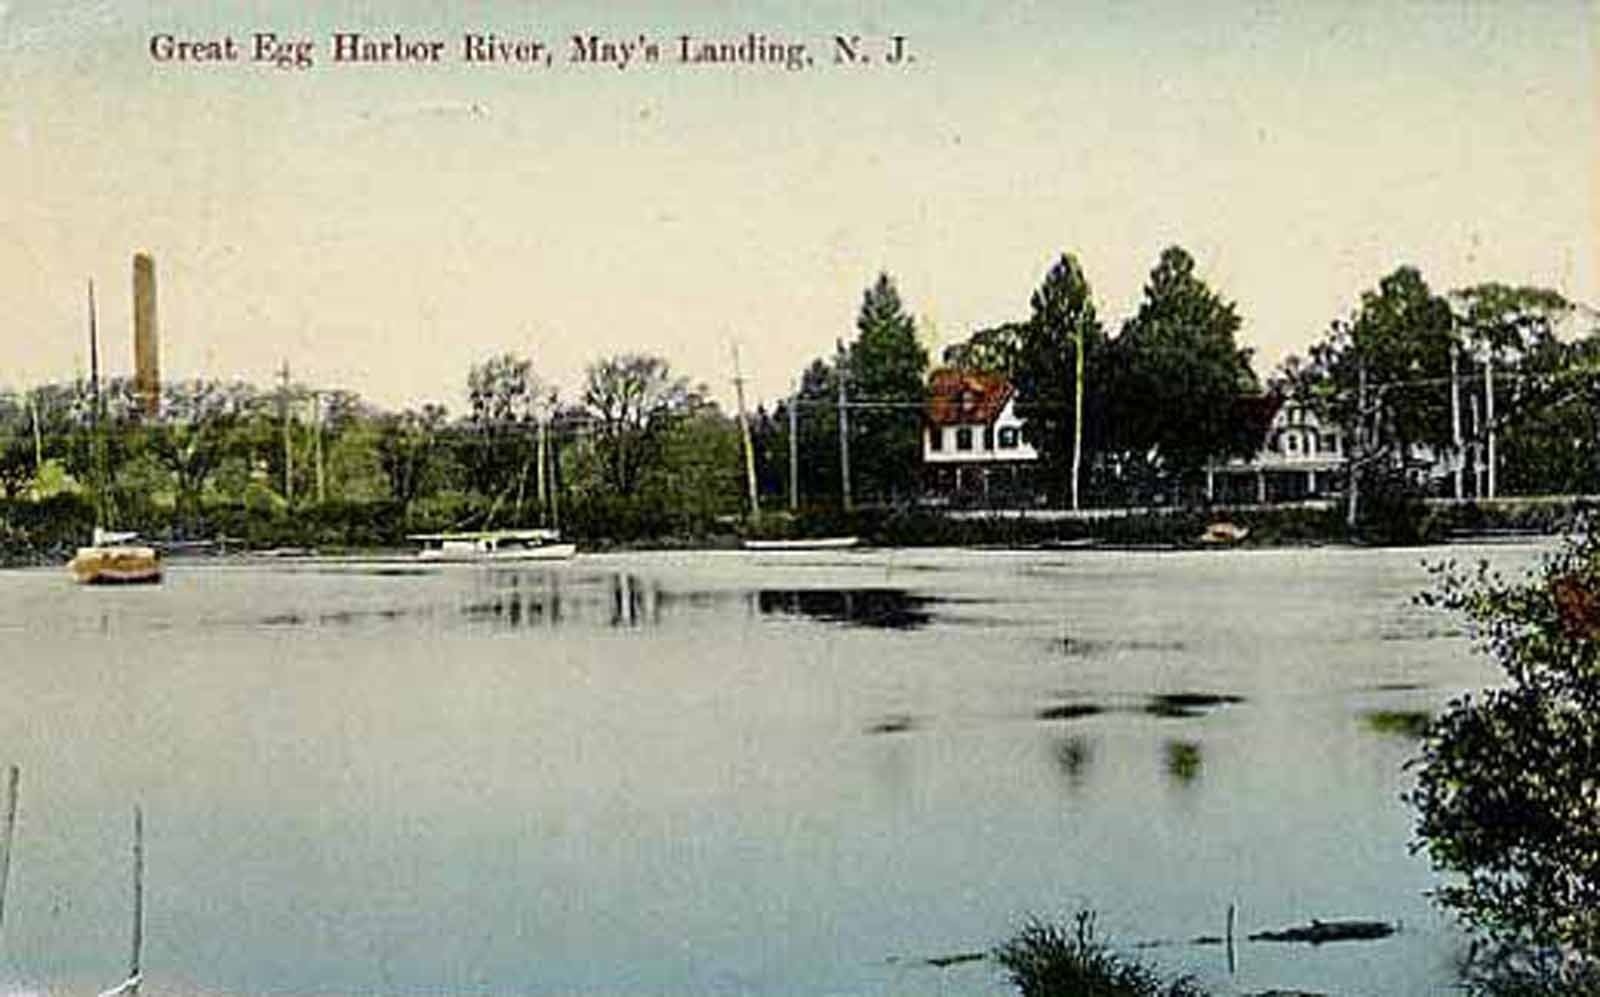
722	773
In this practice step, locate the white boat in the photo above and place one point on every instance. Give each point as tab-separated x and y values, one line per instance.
112	559
493	546
813	543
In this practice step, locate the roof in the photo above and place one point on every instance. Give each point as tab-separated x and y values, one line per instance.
966	397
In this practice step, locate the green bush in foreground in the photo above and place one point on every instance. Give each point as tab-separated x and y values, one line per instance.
1508	782
1048	960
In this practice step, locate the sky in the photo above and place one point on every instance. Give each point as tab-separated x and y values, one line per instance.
382	227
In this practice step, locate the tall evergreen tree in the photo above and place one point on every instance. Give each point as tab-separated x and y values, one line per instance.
888	367
1056	375
1179	369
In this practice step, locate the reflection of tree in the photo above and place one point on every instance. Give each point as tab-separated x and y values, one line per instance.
1183	761
633	603
1074	755
888	609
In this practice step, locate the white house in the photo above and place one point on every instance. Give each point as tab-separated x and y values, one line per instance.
1299	457
972	444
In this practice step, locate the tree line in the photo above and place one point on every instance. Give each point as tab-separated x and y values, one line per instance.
1411	376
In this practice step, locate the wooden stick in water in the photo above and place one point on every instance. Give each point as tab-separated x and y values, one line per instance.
138	898
12	775
1231	966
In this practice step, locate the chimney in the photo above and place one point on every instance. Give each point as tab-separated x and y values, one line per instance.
146	346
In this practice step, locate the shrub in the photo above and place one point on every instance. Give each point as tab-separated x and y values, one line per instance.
1508	781
1048	960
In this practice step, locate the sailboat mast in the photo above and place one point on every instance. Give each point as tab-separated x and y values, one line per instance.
94	356
96	442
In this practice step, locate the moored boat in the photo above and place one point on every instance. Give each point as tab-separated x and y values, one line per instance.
494	546
113	560
812	543
1224	534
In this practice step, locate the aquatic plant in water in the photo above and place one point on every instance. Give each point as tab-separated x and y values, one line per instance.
1050	960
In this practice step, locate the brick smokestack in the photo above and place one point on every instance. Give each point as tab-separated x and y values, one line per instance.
146	344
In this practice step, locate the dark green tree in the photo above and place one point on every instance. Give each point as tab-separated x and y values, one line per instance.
1383	377
1058	376
1177	369
888	371
816	401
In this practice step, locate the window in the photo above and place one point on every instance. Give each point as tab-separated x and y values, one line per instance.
1294	443
988	437
936	438
1008	438
964	438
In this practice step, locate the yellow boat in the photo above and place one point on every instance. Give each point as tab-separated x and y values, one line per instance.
112	560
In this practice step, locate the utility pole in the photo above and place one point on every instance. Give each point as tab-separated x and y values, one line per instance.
1077	411
38	436
555	485
316	400
1476	424
1488	415
541	482
96	420
288	450
1357	452
1455	414
744	432
794	451
844	427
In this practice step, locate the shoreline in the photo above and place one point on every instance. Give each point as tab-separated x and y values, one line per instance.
39	535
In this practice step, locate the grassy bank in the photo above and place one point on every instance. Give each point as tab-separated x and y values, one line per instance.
46	531
1411	522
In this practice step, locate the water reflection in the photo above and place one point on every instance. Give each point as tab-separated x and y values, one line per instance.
1070	711
517	600
522	599
1188	704
1166	705
893	723
879	608
1399	723
1073	756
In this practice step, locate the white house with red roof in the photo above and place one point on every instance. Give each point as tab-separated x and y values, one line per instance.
972	443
